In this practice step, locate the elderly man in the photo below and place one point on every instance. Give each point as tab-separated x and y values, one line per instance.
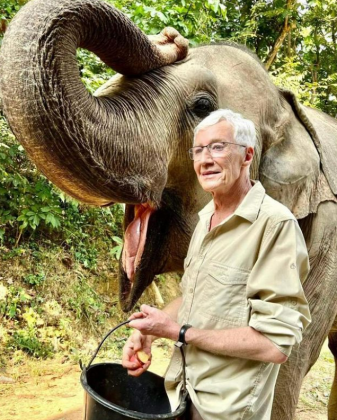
242	306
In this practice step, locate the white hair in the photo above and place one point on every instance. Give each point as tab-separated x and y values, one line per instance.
244	130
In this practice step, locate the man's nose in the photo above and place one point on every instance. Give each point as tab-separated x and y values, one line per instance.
206	155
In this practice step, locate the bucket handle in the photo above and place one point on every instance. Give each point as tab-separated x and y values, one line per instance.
102	342
181	348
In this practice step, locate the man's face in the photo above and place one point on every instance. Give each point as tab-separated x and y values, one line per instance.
219	174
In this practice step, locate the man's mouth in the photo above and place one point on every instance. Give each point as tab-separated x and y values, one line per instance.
209	173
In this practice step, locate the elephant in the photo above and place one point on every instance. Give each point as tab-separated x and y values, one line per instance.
128	143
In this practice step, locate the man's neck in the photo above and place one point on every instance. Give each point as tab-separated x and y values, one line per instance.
226	204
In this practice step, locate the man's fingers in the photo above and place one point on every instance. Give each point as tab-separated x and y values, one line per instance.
136	372
138	324
146	309
140	370
130	360
136	315
130	365
147	364
137	343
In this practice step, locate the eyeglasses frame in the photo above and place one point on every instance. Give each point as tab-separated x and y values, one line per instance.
190	151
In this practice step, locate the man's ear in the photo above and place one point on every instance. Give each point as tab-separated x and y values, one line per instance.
249	154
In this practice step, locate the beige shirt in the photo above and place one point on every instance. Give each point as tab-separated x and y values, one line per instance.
247	270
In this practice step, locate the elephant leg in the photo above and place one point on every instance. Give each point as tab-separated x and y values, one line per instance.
332	406
319	230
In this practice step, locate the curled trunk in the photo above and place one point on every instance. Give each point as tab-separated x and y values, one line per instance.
79	141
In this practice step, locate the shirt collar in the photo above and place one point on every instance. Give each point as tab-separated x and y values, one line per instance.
249	208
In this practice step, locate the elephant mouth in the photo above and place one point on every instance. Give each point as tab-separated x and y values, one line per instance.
135	239
146	250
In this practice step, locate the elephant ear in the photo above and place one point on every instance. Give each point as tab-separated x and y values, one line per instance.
323	130
296	165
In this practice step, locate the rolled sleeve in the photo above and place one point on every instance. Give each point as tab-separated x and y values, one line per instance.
279	309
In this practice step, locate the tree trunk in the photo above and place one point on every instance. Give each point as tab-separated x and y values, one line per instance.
315	68
278	43
289	49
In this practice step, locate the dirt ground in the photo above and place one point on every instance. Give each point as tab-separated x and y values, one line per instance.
50	390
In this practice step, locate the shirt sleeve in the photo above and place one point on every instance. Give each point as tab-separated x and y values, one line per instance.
279	309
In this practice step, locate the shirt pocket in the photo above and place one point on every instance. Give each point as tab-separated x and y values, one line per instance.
225	301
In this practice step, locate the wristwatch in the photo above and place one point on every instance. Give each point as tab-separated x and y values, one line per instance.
181	339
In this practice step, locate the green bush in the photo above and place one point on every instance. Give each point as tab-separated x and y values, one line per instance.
31	210
35	279
86	304
28	341
12	301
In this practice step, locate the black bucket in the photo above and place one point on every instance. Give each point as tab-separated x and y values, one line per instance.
111	394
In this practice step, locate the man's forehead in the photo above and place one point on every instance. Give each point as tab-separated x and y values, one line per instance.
221	131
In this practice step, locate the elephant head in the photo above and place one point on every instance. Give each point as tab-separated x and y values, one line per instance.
128	143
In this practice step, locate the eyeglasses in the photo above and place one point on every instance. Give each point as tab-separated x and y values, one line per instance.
215	149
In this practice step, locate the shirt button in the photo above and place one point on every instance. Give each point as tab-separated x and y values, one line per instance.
191	290
293	266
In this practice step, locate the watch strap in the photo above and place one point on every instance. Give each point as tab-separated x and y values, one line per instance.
182	332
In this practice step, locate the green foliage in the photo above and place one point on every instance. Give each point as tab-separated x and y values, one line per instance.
81	224
8	9
44	320
35	279
117	250
28	341
289	76
30	207
12	300
86	304
197	20
306	59
93	71
27	200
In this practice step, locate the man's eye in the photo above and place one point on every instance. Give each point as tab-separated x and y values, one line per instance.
218	147
197	151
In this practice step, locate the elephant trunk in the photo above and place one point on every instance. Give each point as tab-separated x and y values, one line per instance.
79	141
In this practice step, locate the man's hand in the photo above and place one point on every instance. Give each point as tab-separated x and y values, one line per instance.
152	321
136	342
170	44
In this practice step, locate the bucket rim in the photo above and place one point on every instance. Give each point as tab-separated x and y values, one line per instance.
124	411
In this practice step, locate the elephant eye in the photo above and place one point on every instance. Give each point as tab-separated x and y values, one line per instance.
202	107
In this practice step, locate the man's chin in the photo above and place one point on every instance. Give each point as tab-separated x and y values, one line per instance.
211	187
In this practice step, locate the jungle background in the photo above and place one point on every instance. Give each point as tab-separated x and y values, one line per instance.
59	258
